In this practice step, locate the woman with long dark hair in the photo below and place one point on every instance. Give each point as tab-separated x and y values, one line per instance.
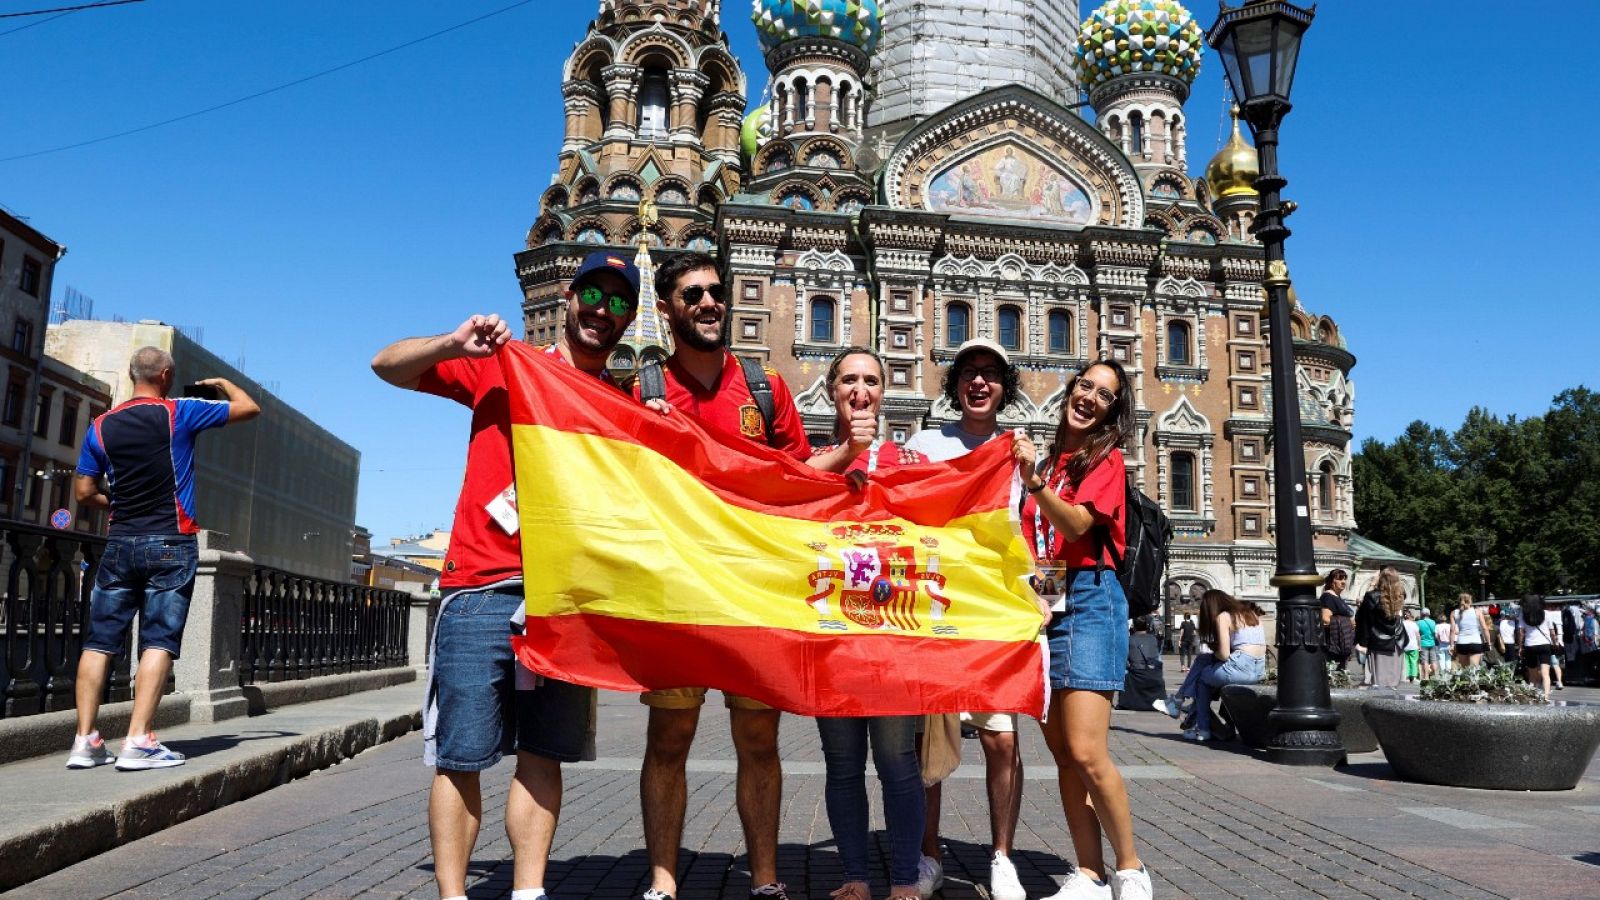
1540	635
1338	619
1075	516
1379	628
855	383
1232	628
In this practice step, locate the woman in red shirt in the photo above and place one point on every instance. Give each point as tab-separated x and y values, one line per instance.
1073	516
855	382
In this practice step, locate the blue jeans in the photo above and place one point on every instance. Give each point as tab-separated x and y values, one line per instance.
1241	668
151	574
894	752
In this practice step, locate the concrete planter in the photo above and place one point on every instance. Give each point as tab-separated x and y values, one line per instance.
1487	745
1248	705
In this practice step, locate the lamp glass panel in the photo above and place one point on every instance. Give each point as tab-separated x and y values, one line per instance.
1288	55
1253	43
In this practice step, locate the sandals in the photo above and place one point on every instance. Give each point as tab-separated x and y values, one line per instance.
852	890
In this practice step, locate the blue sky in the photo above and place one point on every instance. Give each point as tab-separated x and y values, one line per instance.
1439	178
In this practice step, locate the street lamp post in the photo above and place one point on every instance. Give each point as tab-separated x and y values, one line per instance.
1259	43
1482	563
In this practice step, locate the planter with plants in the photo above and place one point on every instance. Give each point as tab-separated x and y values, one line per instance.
1249	704
1485	728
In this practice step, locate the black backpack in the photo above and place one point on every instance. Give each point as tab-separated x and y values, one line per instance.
1142	568
653	386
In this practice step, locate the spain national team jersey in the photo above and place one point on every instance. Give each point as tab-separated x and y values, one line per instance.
729	408
145	450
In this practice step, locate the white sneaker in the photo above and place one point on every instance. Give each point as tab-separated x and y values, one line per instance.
89	751
1167	705
930	876
1079	886
1131	884
1003	881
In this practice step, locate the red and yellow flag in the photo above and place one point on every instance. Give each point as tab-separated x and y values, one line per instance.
656	555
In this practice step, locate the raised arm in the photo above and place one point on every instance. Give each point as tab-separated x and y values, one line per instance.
403	362
240	407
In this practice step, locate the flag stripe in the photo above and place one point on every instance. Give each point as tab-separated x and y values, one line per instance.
591	553
751	475
875	675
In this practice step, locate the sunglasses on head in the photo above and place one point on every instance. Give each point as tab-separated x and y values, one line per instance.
692	294
592	295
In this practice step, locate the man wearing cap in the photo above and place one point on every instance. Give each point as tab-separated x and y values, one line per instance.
982	382
472	713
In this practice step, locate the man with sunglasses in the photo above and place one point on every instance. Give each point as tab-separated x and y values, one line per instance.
472	711
703	379
981	381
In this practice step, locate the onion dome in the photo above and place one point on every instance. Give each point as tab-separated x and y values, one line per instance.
1125	37
1232	172
856	22
755	131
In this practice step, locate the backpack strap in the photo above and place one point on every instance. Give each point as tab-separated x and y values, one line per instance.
755	377
652	383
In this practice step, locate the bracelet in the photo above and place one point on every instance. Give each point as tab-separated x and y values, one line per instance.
1035	490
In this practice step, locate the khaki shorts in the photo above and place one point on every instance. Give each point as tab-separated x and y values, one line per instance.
694	698
990	721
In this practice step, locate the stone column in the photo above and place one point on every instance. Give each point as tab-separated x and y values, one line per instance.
208	669
688	86
582	101
419	629
622	84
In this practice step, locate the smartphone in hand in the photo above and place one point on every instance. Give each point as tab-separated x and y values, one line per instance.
202	391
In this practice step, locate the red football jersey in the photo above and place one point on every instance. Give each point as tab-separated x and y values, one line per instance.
728	407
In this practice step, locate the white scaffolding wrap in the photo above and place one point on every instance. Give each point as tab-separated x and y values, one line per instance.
936	52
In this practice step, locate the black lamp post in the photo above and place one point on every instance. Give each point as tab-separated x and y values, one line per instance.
1482	565
1259	43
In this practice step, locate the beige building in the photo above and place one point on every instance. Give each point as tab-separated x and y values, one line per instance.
282	487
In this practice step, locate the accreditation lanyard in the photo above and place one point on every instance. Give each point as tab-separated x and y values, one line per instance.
1044	534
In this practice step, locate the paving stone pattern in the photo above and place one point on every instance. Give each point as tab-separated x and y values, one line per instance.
1212	821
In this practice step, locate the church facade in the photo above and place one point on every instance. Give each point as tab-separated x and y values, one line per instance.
967	207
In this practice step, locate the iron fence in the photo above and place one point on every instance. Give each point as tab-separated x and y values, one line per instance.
298	627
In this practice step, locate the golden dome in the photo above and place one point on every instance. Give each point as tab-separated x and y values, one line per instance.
1232	172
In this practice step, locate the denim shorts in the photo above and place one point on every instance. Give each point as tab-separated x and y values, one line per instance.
152	575
482	716
1089	641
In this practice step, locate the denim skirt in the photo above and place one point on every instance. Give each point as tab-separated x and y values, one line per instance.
1089	640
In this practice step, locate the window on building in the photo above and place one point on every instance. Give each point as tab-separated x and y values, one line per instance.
69	421
41	418
1178	344
1325	485
958	324
58	490
31	274
1060	329
22	335
752	290
16	391
822	321
802	101
1136	134
1010	328
1183	481
654	95
35	488
900	301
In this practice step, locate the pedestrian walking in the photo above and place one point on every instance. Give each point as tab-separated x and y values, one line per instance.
1338	619
1506	639
1380	628
1427	641
855	382
1076	506
1187	638
738	400
1540	635
1472	632
981	382
1444	640
474	712
1413	651
144	449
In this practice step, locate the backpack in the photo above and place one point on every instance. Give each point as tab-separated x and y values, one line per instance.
653	386
1142	567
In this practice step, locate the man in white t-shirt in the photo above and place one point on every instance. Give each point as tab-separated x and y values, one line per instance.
980	381
1508	639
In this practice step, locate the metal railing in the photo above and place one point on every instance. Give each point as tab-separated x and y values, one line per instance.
296	627
48	574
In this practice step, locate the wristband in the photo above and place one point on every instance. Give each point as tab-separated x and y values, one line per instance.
1035	490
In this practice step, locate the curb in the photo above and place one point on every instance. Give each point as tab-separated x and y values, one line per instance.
55	845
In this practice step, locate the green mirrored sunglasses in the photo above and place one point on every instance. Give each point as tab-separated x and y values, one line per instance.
591	295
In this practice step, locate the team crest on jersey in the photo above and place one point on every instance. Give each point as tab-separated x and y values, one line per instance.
750	422
869	574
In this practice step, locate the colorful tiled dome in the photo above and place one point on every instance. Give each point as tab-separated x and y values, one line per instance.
855	22
1124	37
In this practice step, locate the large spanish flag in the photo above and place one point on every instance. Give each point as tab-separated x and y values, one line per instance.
657	555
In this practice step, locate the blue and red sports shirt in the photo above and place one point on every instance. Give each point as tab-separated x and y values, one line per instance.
145	449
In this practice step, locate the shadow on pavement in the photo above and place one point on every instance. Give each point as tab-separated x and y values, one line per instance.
220	742
1040	872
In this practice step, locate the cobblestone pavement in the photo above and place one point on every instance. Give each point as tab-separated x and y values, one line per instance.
1212	821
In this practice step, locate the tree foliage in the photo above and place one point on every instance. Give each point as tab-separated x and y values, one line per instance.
1531	486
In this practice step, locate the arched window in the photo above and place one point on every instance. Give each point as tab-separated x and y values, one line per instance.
822	321
841	108
1183	482
802	102
1325	486
957	324
1178	344
654	96
1135	134
1010	328
1060	328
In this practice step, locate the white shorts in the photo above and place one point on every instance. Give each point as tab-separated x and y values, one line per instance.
990	721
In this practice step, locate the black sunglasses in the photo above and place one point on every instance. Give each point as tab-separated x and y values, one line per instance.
591	295
692	294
